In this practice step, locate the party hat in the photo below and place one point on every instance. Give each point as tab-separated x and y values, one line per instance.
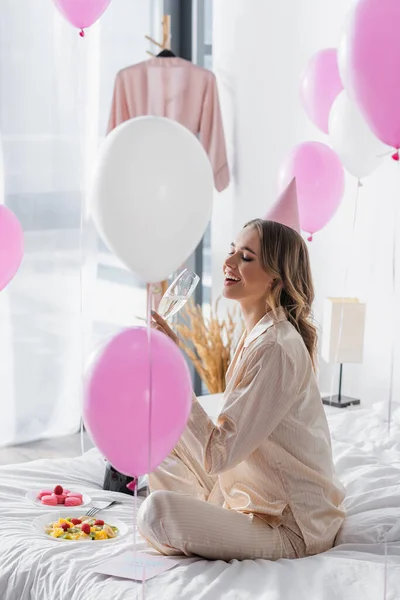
286	210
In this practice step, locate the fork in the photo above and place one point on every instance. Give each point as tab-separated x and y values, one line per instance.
95	509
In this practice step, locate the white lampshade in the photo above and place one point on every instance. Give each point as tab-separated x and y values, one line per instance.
343	330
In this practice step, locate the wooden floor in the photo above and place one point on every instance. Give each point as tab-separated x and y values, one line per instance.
63	447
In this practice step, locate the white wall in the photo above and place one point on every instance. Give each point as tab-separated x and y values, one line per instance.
260	49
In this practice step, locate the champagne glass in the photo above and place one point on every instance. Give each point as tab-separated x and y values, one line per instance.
178	293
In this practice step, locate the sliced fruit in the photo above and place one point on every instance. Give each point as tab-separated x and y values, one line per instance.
58	532
86	528
109	531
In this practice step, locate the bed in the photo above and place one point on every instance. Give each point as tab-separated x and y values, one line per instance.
367	461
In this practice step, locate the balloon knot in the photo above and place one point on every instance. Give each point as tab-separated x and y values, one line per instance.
396	156
360	183
132	485
82	33
310	238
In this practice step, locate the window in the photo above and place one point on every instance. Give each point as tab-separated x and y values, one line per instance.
55	99
191	24
203	53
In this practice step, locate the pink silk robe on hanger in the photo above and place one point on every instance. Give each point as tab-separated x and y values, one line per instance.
181	91
177	89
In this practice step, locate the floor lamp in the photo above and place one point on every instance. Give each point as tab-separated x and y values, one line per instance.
343	340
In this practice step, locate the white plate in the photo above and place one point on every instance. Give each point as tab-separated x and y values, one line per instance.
43	521
32	496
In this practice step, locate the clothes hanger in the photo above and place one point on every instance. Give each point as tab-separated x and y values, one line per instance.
166	42
166	54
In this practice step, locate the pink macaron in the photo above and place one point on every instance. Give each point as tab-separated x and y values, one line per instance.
50	500
61	498
74	495
44	493
73	501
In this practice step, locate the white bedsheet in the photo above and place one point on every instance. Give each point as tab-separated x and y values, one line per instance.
368	462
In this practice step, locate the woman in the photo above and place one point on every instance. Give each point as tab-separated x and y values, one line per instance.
260	483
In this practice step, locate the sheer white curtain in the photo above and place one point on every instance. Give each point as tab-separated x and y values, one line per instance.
55	93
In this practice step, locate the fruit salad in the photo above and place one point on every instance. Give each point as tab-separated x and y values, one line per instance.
84	528
60	495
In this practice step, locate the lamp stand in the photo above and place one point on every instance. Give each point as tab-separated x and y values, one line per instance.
340	401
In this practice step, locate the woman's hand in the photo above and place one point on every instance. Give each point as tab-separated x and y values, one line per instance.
161	325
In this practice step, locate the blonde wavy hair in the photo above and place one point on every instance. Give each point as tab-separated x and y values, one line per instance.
285	257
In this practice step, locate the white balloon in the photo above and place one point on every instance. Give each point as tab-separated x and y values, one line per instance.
152	195
351	138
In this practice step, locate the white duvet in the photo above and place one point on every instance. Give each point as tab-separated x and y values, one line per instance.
367	460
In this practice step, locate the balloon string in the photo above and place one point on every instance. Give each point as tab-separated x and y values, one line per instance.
150	396
392	359
385	570
149	334
82	322
135	511
346	273
81	291
394	266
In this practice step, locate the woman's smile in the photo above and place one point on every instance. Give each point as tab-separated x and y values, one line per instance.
231	279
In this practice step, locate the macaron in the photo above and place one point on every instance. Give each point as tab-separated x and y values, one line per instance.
61	498
49	500
72	501
44	493
74	495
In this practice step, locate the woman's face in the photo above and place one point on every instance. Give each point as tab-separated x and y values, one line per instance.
245	278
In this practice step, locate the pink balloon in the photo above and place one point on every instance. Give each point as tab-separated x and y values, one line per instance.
369	57
320	85
82	13
320	183
11	245
117	411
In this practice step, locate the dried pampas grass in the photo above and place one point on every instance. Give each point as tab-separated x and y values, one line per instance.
208	342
